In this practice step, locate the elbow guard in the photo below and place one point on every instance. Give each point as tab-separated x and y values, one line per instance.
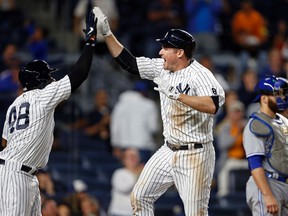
216	102
127	61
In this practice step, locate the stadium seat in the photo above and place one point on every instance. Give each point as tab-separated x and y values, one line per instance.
238	179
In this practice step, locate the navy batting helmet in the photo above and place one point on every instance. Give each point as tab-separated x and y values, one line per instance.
36	74
180	39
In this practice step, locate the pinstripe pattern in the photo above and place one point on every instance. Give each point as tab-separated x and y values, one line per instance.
183	124
28	129
190	170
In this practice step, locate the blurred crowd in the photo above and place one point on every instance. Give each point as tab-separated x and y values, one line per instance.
240	41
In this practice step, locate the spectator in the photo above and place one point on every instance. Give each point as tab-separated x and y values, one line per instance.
49	208
9	54
11	25
90	206
74	199
247	83
9	83
109	7
225	34
274	65
279	35
69	117
37	43
162	15
202	20
97	121
49	188
230	142
249	32
64	210
7	5
230	97
130	32
207	61
135	129
123	181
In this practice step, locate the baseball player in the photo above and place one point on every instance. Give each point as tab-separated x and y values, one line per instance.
190	96
265	141
28	129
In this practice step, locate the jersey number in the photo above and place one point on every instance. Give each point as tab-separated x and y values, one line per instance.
22	120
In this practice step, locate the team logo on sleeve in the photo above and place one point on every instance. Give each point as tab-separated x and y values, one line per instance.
214	91
181	90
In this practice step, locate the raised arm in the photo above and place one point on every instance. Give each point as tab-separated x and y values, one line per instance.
124	58
82	67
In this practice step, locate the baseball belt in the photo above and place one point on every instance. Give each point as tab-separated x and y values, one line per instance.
277	177
24	168
183	147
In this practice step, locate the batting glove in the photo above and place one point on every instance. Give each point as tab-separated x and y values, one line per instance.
164	87
103	25
91	29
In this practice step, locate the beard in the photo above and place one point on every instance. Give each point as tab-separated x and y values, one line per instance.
273	106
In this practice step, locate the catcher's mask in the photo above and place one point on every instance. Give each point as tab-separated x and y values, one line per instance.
36	75
274	86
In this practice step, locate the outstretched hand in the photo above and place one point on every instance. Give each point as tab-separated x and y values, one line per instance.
164	87
91	29
103	25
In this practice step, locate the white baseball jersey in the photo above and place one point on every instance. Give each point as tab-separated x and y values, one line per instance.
182	124
191	171
28	129
29	124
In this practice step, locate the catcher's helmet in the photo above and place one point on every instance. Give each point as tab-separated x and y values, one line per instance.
272	85
181	39
36	74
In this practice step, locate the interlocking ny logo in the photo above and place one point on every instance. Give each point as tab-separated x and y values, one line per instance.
183	91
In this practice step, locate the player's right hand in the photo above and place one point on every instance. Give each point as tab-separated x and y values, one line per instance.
271	204
165	88
103	25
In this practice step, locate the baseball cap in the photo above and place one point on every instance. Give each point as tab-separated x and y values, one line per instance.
265	87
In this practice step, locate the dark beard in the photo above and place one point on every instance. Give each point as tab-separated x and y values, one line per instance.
273	106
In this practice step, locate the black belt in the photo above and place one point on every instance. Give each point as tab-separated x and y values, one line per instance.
277	177
24	168
183	147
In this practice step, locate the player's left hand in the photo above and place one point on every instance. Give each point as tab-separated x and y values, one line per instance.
164	87
91	29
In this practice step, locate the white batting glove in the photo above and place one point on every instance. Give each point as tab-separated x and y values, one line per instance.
102	24
164	87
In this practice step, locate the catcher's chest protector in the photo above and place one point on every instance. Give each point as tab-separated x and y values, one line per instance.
274	133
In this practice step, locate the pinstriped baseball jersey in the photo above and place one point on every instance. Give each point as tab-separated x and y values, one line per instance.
29	124
182	124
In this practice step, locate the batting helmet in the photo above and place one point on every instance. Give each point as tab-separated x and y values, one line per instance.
180	39
36	74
